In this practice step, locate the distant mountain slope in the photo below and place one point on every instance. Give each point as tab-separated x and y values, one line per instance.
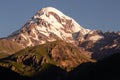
8	47
100	44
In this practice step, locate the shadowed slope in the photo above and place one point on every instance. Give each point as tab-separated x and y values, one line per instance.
107	69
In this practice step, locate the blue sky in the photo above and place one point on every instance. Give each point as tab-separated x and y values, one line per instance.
92	14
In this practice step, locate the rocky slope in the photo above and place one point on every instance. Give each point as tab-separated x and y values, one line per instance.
33	59
105	69
100	44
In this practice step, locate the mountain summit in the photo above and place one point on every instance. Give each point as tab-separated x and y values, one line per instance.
48	24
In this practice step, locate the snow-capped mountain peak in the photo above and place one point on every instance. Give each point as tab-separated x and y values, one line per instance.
58	19
48	24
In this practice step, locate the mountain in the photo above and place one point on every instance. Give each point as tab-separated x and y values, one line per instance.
50	24
50	42
47	25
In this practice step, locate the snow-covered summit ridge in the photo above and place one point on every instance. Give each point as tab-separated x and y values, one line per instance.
49	14
51	9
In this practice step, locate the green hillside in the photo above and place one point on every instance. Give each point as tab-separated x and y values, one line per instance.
31	60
